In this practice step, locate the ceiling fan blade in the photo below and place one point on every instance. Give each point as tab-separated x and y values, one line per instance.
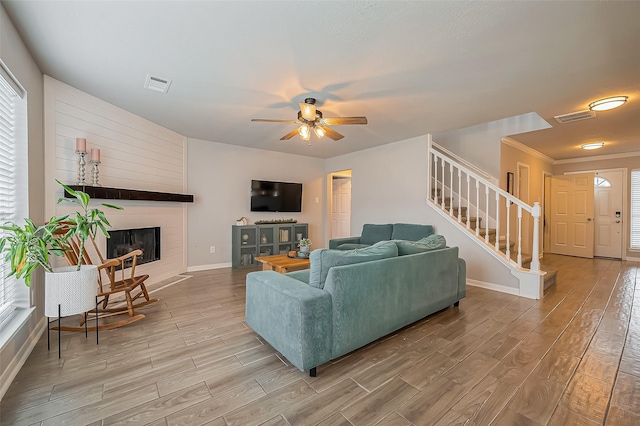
332	133
333	121
289	135
266	120
308	111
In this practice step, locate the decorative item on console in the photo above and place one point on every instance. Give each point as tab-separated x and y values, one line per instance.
242	221
274	221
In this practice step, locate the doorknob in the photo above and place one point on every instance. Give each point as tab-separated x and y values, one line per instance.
617	221
589	219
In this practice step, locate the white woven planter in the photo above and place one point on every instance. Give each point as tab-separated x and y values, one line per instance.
305	249
75	291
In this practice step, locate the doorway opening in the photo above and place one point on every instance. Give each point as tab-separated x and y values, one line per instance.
339	204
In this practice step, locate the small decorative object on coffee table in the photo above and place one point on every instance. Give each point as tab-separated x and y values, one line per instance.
305	245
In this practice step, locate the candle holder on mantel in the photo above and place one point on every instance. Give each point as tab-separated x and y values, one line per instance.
95	173
81	167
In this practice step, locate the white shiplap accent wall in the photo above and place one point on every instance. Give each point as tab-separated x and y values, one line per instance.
135	154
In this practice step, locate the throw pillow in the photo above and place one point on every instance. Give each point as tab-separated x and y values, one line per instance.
323	259
432	242
351	246
372	234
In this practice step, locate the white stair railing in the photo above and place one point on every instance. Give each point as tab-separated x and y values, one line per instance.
445	186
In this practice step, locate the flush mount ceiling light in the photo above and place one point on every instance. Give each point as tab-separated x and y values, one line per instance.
608	103
594	145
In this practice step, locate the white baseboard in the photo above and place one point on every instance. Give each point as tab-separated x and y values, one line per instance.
633	259
494	287
207	267
18	361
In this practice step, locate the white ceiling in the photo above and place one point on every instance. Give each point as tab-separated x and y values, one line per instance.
411	67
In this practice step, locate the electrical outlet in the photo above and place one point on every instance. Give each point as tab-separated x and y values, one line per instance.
212	249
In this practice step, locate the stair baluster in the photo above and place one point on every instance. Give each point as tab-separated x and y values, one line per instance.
486	213
508	246
477	207
520	236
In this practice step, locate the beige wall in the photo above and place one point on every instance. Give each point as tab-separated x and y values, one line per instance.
510	156
220	178
19	61
629	163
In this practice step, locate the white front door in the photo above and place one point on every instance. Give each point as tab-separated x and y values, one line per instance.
608	214
341	208
572	213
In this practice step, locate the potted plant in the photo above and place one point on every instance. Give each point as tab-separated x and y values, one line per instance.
305	245
28	247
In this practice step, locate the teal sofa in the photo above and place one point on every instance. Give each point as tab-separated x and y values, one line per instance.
339	305
372	233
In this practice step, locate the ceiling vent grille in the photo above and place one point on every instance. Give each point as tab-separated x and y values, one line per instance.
158	84
575	116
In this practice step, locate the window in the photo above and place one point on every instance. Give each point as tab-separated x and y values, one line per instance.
600	182
13	179
635	209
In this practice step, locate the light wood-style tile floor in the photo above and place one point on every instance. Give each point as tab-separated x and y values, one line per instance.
572	358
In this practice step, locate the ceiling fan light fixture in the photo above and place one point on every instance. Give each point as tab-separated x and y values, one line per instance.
589	146
308	109
320	132
608	103
304	132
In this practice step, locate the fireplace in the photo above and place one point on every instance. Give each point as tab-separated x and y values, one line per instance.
127	240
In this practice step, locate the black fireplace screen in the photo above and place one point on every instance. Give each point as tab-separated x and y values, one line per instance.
127	240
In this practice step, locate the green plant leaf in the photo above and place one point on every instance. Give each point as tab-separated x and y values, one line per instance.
112	206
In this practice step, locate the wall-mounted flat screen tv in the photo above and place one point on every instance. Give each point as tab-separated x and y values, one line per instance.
268	196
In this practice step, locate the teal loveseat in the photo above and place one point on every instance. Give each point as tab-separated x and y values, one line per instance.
316	315
372	233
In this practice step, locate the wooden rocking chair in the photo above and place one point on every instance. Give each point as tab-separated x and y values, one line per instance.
130	286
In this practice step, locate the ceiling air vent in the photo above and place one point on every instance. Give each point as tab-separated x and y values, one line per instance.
158	84
575	116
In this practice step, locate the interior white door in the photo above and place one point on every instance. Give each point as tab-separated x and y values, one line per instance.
608	214
572	213
341	208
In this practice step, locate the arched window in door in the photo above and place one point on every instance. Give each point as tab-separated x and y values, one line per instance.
600	182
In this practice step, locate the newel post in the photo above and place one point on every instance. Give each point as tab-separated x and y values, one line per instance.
535	257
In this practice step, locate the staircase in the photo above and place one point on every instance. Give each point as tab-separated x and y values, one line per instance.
502	224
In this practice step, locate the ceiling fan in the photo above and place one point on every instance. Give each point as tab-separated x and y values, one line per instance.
311	118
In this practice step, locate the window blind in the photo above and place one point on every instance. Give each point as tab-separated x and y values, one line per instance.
8	193
635	209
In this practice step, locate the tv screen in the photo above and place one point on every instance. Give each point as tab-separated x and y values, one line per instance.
267	196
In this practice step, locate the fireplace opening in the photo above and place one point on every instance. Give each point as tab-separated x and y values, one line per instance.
124	241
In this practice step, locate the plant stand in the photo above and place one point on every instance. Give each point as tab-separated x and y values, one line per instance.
69	291
86	330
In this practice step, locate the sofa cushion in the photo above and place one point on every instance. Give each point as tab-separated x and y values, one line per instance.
432	242
323	259
351	246
410	232
372	234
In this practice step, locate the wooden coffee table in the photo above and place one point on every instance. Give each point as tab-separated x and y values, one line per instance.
283	263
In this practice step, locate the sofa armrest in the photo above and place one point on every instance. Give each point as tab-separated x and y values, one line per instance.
333	244
291	316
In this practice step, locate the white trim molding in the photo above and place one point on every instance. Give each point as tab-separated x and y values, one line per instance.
208	267
494	287
527	150
598	158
